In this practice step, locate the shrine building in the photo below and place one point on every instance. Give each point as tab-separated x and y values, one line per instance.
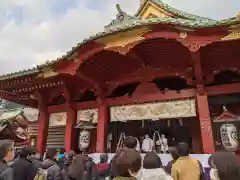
160	70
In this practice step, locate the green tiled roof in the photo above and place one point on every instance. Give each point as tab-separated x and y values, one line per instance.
193	22
172	10
9	116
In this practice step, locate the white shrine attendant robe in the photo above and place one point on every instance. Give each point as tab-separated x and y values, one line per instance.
138	145
147	145
164	147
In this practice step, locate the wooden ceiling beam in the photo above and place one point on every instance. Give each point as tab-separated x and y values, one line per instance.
87	79
223	89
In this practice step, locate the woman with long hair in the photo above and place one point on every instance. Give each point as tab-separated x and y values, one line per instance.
224	166
127	164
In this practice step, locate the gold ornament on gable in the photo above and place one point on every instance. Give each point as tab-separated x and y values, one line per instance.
232	36
124	39
234	32
46	73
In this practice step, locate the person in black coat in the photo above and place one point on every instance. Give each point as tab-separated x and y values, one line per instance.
50	164
35	158
6	147
23	169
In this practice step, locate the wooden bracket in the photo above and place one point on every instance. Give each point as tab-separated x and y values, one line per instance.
101	92
201	89
195	46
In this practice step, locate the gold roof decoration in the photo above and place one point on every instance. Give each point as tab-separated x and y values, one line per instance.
141	2
238	15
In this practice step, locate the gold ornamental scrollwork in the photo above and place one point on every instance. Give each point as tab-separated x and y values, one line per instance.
232	36
123	42
234	33
157	110
124	49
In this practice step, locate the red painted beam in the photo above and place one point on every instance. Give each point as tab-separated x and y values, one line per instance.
57	108
86	105
223	89
80	105
169	95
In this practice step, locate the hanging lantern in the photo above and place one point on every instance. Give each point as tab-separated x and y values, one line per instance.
84	139
229	136
85	125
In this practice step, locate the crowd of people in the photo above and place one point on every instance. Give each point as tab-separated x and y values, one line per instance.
127	164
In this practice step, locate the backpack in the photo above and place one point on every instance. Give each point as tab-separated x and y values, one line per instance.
5	173
102	167
41	174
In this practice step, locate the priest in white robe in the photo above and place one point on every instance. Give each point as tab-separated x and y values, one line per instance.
147	144
138	145
164	147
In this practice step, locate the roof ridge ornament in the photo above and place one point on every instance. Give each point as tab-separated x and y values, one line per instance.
238	16
121	19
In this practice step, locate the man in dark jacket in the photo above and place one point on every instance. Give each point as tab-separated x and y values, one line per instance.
6	151
90	170
35	158
23	169
50	164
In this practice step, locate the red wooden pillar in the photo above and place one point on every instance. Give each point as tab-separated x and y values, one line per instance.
205	124
70	131
196	136
42	125
102	126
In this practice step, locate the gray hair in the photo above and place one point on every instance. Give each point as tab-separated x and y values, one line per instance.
5	146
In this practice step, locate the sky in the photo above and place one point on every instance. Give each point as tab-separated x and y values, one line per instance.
34	31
